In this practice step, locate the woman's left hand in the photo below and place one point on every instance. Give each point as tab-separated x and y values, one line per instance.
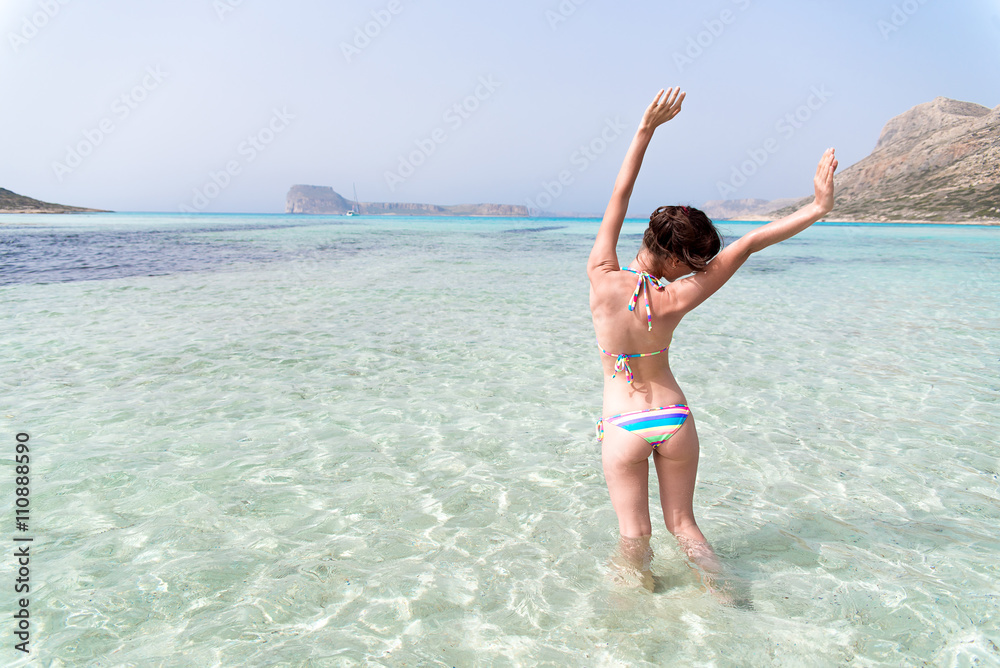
823	181
661	111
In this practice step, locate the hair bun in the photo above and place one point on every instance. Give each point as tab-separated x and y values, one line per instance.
683	233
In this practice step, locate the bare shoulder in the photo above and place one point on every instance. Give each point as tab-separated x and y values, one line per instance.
603	284
604	278
687	293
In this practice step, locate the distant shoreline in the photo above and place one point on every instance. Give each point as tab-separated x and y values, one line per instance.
981	223
49	212
89	212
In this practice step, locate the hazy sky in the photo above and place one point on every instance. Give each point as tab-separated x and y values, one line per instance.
221	105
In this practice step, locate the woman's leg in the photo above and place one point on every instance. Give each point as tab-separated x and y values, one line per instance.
676	461
626	471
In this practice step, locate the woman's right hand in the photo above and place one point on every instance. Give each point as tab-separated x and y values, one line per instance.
824	181
659	112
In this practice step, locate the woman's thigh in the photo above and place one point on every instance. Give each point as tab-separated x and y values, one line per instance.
676	462
625	458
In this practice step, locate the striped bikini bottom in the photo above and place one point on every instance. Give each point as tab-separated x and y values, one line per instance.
655	425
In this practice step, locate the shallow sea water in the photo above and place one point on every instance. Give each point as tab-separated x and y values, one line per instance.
312	441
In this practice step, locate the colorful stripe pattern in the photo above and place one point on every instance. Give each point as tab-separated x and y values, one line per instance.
621	359
621	362
643	284
655	425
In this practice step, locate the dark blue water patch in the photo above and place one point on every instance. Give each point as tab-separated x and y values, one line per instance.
65	255
768	265
530	230
234	228
174	227
547	246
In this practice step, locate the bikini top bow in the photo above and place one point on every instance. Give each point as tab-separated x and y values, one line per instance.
622	365
642	284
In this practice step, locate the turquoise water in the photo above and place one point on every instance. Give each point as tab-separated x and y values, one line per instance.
338	442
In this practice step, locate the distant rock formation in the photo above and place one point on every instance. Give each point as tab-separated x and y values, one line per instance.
743	209
324	200
11	202
937	162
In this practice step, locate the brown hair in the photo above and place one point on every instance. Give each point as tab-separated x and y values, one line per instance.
682	232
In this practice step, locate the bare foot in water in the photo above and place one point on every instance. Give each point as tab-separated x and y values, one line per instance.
631	564
709	568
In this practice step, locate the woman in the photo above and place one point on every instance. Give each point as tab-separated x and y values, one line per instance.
645	412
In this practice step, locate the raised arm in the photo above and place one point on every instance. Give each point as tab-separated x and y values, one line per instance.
603	257
693	290
789	226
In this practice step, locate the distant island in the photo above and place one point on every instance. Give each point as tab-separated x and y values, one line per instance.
324	200
937	162
11	202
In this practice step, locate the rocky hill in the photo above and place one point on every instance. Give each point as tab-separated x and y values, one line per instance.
937	162
324	200
11	202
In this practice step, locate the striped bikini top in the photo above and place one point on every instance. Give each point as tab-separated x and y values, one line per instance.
641	285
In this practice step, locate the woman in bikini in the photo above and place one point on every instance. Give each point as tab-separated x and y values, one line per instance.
645	412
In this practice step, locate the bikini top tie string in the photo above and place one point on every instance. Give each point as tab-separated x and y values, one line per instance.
621	364
642	284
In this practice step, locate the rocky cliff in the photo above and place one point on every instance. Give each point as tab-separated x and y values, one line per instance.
11	202
939	161
324	200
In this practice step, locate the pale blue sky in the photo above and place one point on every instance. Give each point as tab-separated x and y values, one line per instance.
198	81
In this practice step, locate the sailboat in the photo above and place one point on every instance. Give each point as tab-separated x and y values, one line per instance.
356	207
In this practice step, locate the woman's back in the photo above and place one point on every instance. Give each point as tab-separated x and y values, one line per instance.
634	320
